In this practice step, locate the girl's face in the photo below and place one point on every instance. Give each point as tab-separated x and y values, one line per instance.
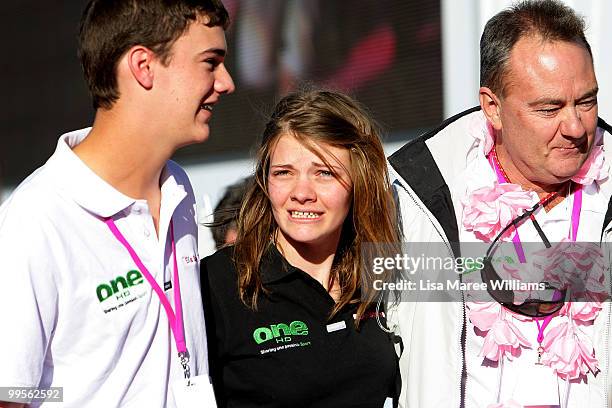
309	202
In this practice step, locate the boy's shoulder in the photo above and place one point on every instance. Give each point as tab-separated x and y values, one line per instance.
32	196
43	191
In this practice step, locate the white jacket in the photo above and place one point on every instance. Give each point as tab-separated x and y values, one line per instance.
433	333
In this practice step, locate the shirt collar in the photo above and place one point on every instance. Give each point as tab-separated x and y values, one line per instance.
80	183
89	190
274	266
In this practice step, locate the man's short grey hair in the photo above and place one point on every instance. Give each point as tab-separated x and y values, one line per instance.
549	20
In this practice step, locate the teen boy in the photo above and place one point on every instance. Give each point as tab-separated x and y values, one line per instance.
84	239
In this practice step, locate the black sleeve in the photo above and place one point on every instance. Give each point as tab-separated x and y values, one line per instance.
215	334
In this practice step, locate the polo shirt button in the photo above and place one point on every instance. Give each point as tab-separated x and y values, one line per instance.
137	210
147	233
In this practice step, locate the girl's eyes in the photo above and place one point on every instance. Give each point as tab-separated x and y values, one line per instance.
321	173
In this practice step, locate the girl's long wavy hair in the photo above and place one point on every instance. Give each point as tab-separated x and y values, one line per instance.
318	118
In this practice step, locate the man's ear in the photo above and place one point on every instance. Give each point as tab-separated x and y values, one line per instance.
490	104
140	61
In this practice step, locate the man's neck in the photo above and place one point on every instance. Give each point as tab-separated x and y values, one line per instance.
121	154
543	190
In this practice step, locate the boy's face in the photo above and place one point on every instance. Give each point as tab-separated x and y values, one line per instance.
190	85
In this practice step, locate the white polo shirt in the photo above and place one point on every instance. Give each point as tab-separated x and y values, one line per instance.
74	310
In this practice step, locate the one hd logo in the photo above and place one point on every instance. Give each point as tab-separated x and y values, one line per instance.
280	332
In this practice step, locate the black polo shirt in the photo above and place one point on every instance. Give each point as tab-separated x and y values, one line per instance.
287	353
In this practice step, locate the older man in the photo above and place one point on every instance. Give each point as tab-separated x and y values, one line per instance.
535	142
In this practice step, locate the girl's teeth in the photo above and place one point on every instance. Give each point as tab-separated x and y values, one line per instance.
206	107
302	214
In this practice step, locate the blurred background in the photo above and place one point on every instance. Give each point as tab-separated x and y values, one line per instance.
411	62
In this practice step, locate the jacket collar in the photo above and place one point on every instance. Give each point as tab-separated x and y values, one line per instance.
414	160
608	217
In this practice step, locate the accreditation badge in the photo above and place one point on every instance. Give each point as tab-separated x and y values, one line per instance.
194	392
538	388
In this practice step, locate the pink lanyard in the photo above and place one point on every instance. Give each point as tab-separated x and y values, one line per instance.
175	320
516	240
573	234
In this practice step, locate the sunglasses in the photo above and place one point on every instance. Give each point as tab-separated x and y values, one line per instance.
552	299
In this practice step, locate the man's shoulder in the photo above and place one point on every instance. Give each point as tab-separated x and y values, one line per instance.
461	120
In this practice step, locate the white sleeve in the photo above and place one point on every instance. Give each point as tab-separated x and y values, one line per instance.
28	297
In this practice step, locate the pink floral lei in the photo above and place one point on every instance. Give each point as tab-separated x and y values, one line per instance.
488	209
567	349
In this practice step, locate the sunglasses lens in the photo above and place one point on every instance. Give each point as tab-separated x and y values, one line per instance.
534	309
535	304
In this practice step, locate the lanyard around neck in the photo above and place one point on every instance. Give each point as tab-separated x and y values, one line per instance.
575	220
175	319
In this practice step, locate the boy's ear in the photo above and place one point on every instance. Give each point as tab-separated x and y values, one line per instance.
140	60
490	104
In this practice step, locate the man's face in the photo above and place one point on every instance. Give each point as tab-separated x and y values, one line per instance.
548	116
192	82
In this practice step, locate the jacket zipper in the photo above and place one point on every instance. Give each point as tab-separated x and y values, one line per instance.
463	382
607	342
463	332
606	352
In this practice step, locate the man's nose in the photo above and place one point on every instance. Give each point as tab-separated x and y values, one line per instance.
571	125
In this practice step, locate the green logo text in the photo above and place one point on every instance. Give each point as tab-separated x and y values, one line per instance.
280	332
119	286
